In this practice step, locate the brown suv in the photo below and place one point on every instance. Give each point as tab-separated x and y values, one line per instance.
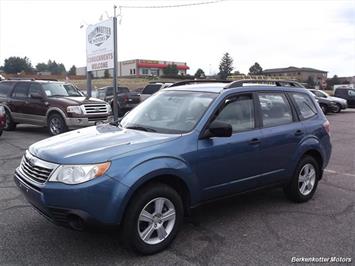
57	105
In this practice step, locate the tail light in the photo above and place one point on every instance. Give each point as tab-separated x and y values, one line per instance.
326	126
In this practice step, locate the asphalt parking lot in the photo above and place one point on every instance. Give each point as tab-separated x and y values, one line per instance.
261	228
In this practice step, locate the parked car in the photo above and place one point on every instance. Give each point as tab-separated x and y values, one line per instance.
341	103
327	106
57	105
2	119
126	100
152	88
346	93
180	148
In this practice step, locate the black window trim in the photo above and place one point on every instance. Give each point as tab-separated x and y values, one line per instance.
295	117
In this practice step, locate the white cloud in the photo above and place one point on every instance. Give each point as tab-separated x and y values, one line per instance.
319	34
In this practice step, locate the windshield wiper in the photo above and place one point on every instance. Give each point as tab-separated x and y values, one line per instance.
142	128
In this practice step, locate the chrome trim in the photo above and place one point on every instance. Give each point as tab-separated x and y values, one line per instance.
95	108
35	170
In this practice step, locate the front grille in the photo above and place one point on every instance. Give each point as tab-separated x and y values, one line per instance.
35	169
100	108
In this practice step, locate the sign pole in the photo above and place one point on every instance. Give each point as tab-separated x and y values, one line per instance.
115	107
88	84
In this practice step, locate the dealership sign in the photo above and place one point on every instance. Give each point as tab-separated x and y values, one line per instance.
99	46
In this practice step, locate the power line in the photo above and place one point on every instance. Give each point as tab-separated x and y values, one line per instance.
174	6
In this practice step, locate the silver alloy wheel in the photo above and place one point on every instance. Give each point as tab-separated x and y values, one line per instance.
156	221
306	179
55	125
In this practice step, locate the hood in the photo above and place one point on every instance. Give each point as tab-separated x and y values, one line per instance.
95	144
74	100
336	99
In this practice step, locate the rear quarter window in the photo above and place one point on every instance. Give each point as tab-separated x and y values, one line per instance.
304	105
5	88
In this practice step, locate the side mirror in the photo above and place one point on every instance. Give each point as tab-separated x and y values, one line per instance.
36	96
218	129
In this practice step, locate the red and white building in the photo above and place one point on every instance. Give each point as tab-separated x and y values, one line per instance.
139	67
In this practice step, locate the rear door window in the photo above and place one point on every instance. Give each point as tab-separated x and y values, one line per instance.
275	109
21	90
35	88
304	105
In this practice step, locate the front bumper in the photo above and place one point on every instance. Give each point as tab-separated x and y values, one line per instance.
95	202
72	122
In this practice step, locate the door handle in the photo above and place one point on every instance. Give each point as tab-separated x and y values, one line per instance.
255	141
299	132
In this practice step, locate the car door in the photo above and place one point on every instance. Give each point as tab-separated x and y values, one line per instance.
281	135
35	108
228	164
18	98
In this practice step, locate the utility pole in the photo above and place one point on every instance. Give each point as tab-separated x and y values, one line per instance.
88	84
115	107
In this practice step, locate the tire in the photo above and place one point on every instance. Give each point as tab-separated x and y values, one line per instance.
10	125
324	109
0	132
299	191
151	225
338	108
56	124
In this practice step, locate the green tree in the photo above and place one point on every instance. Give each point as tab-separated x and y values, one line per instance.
225	66
255	69
72	71
16	64
200	74
41	67
107	74
171	71
333	81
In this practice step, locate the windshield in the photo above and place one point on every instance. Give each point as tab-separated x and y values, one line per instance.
59	89
173	112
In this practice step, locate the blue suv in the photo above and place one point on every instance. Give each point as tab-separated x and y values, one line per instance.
185	145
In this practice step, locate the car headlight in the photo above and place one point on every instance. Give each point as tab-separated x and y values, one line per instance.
74	109
76	174
109	109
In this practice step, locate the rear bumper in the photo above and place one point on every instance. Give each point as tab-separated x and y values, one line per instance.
94	203
73	122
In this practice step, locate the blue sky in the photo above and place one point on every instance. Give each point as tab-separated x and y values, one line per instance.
318	34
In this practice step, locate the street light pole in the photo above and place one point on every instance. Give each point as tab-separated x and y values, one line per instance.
115	106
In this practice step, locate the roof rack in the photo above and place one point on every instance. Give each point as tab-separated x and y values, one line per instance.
159	81
277	82
29	79
186	82
46	79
